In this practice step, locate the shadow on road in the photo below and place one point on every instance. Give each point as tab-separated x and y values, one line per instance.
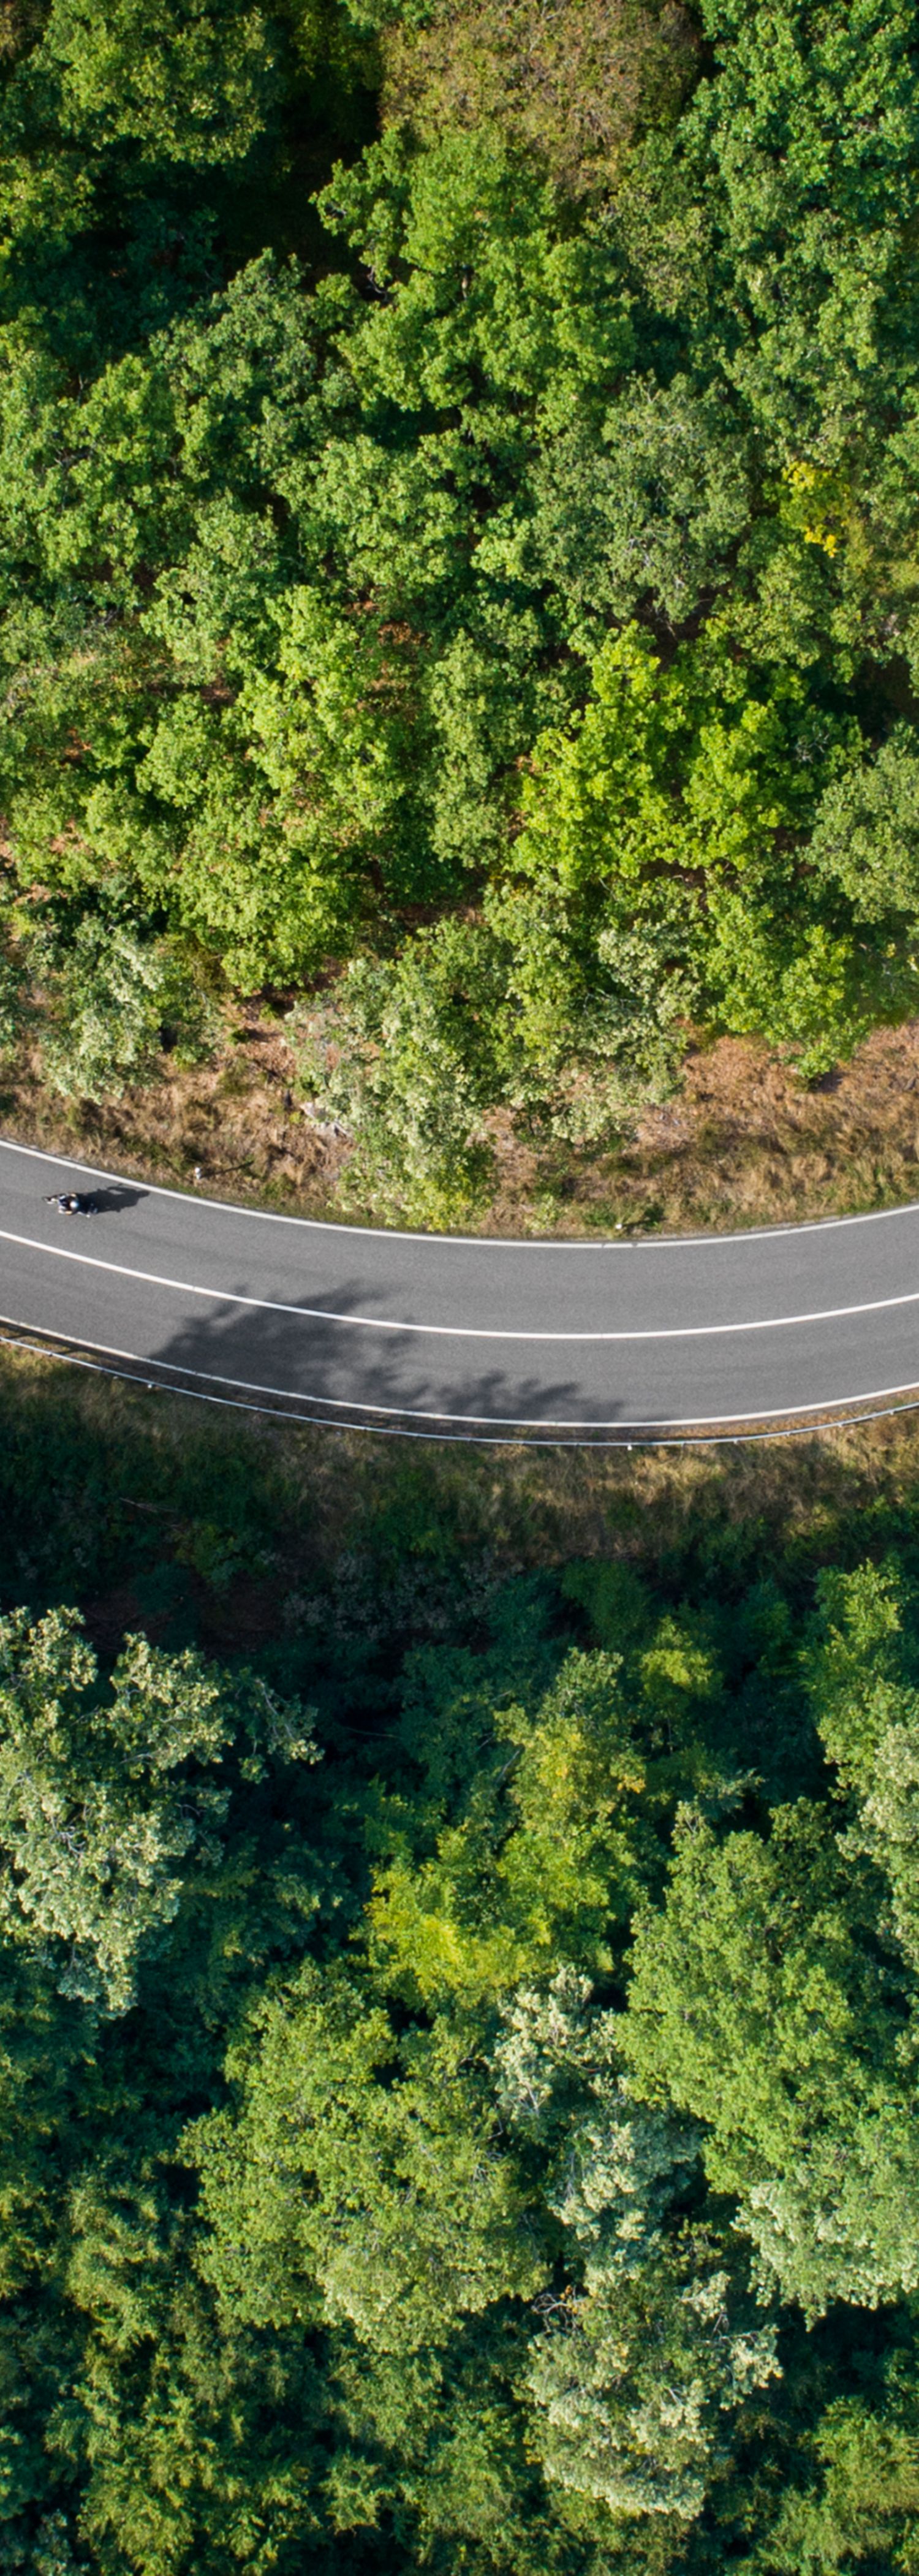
351	1368
112	1201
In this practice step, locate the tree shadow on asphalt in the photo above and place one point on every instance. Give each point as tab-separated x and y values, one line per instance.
365	1368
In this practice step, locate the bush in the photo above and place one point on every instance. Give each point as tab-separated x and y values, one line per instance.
592	1007
116	999
404	1056
513	1009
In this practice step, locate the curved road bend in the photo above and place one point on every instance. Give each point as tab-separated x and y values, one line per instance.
447	1330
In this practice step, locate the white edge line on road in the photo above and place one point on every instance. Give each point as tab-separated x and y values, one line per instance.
513	1422
482	1242
456	1332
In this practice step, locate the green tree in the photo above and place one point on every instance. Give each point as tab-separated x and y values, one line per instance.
103	1799
645	514
866	833
359	2180
685	765
630	2384
863	1674
861	2508
184	84
544	1864
809	133
404	1056
115	1000
756	2005
637	2361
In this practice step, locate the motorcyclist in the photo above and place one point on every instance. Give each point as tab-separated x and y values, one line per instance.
72	1202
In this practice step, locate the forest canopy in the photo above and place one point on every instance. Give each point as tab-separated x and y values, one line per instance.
457	2023
462	578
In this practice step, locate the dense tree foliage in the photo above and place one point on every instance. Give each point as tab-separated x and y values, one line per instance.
459	572
458	2054
487	556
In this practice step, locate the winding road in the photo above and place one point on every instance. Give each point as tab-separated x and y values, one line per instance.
468	1335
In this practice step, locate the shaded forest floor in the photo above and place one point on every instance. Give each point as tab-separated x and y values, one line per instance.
291	1541
740	1143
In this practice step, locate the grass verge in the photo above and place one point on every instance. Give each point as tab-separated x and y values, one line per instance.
741	1143
249	1536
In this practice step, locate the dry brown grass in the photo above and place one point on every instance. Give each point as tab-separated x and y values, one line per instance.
744	1143
741	1143
235	1117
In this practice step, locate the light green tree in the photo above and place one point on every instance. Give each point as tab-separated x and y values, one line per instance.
114	1001
360	2180
756	2006
643	2354
546	1862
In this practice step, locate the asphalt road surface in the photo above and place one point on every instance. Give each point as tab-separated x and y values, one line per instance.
465	1333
